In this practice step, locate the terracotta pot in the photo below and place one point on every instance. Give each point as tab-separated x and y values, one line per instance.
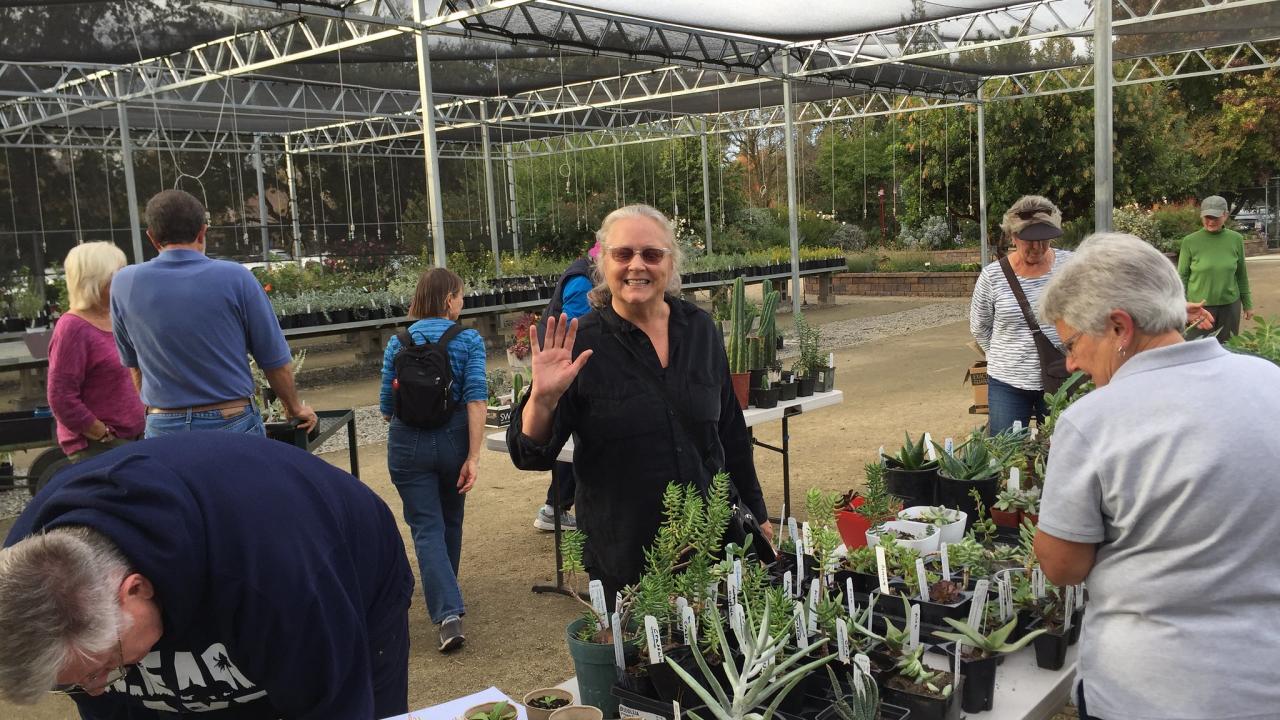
1006	519
741	387
537	713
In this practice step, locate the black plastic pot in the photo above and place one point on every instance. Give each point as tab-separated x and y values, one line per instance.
1051	650
954	493
924	707
933	613
862	582
14	324
787	391
339	316
765	399
286	321
669	687
804	387
757	378
1077	619
826	380
913	487
979	683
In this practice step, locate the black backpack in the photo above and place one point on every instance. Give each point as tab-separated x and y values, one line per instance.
423	386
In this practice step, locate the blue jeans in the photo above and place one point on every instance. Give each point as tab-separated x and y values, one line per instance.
424	466
249	421
1006	403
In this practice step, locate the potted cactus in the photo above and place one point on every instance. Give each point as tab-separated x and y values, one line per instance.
739	358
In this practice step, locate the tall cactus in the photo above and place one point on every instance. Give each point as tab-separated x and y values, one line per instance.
768	325
737	327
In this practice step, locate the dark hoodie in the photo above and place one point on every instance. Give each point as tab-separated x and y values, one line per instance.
279	577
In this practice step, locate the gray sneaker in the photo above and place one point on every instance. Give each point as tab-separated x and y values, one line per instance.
546	520
451	635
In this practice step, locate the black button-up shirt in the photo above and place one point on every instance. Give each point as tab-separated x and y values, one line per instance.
629	443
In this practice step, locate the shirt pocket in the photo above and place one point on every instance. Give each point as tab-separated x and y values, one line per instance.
611	415
702	400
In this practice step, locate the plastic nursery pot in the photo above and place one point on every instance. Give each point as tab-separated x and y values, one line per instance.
852	528
1051	650
757	375
593	664
787	391
912	487
926	536
1007	519
954	493
924	707
766	399
979	683
484	708
952	532
825	380
581	712
558	695
1077	619
804	387
741	387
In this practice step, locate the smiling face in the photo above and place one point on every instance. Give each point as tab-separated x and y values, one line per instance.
634	281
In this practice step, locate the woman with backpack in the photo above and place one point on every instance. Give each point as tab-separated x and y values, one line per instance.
434	395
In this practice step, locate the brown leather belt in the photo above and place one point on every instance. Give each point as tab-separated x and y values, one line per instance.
240	404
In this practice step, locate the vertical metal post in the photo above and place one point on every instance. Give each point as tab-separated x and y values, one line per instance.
488	189
982	181
130	185
431	154
706	187
512	206
1102	139
293	201
263	230
797	291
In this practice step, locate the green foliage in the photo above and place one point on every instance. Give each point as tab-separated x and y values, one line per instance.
912	455
863	263
500	711
972	460
983	526
739	325
931	234
808	339
990	644
877	503
1136	221
1263	340
274	410
861	703
911	666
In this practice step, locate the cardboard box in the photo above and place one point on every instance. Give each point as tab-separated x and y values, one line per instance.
976	375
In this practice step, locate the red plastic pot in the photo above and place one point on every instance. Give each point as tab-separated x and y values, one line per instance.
741	387
1006	519
853	527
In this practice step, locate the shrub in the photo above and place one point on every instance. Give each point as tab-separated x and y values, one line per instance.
907	262
932	234
1074	232
863	263
1173	222
1135	221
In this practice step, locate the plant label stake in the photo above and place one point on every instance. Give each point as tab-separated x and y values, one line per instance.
831	360
814	589
731	594
842	640
1068	607
737	572
881	454
949	446
1015	477
955	671
681	604
617	599
1017	426
921	580
619	657
979	603
1037	581
738	624
1002	590
654	636
783	523
802	630
853	601
713	592
786	583
863	663
928	447
807	533
799	563
946	564
795	531
675	710
913	639
689	624
882	569
596	589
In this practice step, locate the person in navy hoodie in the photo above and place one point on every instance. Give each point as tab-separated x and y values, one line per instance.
209	572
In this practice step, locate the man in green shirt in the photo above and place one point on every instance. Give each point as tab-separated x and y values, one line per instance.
1211	263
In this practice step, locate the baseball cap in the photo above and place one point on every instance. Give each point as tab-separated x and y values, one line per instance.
1213	206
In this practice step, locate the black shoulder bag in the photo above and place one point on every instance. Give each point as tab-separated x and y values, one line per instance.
1053	364
742	523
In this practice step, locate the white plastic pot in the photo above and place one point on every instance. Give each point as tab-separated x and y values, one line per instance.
925	544
952	532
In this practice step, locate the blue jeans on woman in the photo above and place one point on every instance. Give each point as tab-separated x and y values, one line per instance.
424	467
1006	403
249	421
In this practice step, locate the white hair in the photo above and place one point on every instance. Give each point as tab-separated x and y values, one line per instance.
89	269
59	600
1116	271
600	295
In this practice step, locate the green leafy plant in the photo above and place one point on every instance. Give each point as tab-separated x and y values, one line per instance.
808	339
911	667
739	326
765	673
1263	340
983	526
548	702
913	455
877	504
987	645
973	460
274	411
501	710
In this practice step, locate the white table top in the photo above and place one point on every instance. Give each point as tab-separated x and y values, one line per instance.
1024	691
753	416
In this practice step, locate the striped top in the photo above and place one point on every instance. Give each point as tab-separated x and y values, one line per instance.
466	358
997	324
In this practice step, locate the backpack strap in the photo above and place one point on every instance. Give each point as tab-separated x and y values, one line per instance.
449	335
406	340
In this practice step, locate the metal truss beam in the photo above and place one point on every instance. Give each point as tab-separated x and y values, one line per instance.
79	90
1241	57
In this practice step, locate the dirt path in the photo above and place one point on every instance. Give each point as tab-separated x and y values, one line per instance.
516	638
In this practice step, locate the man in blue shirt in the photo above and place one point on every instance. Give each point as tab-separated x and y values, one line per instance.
185	325
569	298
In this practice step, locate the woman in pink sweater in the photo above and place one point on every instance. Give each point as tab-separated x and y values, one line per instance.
91	394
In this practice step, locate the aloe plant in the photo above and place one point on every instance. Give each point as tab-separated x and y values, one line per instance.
973	460
765	675
863	703
990	644
912	455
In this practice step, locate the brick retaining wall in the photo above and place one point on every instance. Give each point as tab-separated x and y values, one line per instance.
902	284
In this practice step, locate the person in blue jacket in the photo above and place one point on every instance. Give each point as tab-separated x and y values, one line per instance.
210	572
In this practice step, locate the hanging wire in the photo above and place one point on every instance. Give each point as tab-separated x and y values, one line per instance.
111	215
35	168
13	204
75	198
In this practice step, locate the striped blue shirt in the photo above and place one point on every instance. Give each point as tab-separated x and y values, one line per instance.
466	358
997	324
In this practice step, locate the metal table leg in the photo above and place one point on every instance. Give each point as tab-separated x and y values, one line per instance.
353	453
559	587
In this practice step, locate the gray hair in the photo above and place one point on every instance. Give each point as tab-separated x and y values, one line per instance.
89	269
1011	223
1116	271
58	600
600	296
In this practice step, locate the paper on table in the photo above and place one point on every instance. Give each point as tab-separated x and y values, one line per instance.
452	709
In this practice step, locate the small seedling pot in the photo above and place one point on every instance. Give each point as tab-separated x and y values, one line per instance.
804	387
1003	518
484	708
925	544
787	391
1051	650
952	532
537	713
766	399
578	712
927	707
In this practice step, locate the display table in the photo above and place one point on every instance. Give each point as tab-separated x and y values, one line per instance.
453	709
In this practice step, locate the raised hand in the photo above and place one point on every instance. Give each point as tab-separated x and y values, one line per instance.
552	363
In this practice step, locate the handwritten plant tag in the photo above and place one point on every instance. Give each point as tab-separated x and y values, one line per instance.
922	580
842	640
653	636
946	563
882	569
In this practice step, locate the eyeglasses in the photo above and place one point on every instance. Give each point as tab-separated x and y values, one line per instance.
100	679
1030	214
650	255
1070	344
